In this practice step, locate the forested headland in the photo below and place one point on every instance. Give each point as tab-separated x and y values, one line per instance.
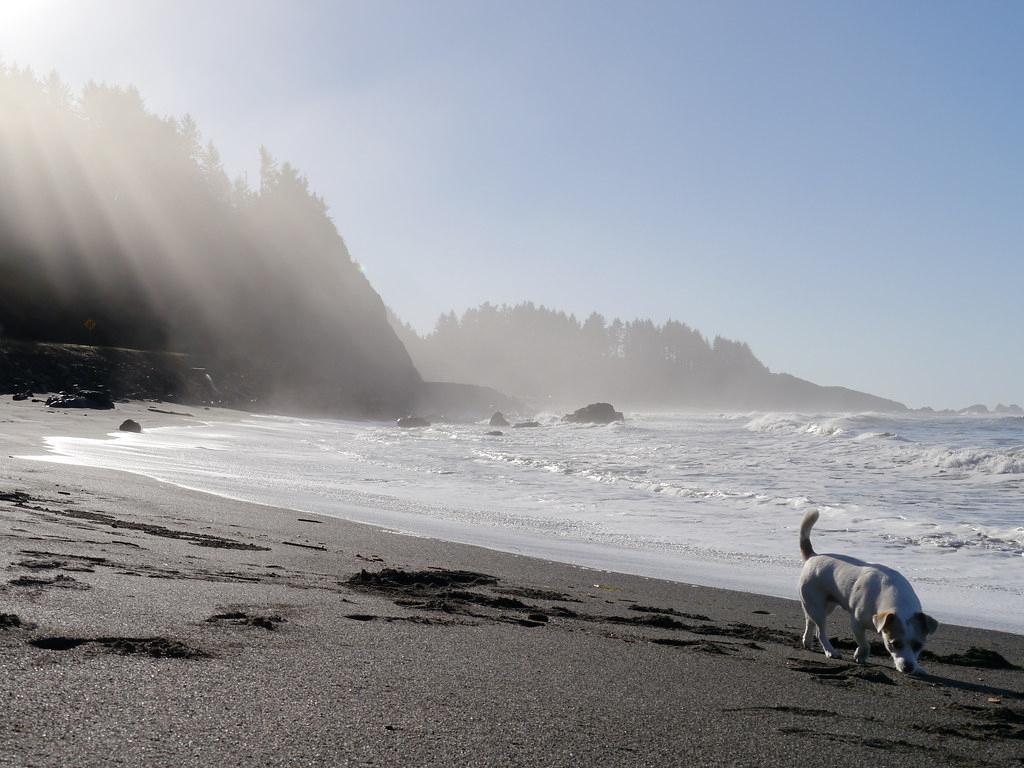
551	358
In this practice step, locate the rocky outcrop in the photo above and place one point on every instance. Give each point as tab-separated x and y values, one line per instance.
498	420
462	402
595	413
84	398
975	410
765	391
526	424
411	422
1012	409
124	374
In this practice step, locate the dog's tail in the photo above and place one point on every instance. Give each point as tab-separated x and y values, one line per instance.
805	534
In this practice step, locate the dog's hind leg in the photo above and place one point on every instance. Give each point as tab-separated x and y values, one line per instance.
807	639
816	609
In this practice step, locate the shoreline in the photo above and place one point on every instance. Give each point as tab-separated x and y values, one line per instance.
708	574
768	573
254	634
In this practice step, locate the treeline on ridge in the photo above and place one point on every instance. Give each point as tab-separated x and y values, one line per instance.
546	355
551	358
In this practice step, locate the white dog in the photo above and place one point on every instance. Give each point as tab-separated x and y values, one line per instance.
874	595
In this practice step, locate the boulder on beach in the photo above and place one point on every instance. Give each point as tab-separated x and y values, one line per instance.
409	422
595	413
526	424
130	425
83	398
499	420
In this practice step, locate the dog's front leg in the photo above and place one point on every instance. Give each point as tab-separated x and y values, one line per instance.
863	646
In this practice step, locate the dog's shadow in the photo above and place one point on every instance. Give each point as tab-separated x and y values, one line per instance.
841	668
962	685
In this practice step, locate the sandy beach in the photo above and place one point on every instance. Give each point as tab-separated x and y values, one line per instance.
146	625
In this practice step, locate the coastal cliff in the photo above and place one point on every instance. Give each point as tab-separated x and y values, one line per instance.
120	229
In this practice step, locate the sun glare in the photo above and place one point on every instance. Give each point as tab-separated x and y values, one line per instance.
29	29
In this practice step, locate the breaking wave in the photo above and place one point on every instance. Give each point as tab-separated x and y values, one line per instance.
797	424
993	462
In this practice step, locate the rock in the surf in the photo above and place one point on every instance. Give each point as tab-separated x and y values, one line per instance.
595	413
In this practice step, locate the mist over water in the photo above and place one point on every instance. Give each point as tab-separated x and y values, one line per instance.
709	499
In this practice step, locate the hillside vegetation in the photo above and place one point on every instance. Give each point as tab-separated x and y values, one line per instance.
120	228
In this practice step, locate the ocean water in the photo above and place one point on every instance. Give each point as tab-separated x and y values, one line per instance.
705	499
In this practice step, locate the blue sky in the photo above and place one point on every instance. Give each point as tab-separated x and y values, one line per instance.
839	185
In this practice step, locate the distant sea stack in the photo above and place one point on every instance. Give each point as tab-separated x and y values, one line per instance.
975	410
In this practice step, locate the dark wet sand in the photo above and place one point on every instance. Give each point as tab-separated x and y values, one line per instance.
144	625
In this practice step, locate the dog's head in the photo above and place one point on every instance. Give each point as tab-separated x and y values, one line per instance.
904	637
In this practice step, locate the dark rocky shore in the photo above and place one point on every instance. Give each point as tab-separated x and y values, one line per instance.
35	369
32	368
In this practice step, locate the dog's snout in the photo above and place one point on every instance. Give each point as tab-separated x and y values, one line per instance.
906	666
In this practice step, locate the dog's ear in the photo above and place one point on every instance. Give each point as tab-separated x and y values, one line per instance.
883	620
925	623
